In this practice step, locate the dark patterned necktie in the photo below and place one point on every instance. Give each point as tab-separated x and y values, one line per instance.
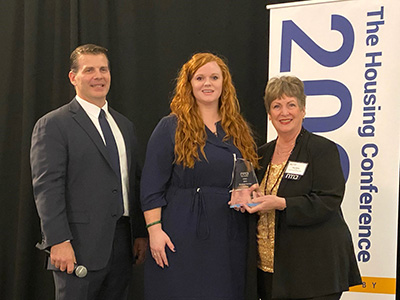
111	146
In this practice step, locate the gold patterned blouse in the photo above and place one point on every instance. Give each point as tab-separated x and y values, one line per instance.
266	221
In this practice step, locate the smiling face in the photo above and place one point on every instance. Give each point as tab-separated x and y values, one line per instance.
93	79
207	84
286	115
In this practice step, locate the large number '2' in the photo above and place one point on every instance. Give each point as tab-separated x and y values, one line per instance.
292	33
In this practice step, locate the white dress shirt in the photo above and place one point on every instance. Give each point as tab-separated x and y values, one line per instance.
93	112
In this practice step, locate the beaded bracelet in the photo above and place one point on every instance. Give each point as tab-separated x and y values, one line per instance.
153	223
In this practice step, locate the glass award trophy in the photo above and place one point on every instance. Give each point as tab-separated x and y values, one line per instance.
243	177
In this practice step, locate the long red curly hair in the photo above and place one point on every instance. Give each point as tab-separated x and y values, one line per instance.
190	133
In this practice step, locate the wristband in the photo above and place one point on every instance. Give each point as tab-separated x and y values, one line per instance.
153	223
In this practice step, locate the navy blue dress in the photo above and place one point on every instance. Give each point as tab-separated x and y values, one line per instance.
210	238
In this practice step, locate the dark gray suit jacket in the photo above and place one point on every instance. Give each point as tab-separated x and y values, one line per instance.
75	187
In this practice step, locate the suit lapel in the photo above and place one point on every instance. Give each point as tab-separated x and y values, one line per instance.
80	116
293	157
265	160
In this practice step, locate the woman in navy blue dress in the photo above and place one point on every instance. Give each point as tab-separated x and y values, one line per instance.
197	243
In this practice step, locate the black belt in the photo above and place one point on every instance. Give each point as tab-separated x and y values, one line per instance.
124	220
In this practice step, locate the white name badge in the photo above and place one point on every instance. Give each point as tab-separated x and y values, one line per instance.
295	170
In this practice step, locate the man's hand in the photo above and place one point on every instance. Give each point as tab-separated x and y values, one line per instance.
139	249
63	257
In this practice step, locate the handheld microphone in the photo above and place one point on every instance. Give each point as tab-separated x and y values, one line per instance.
79	270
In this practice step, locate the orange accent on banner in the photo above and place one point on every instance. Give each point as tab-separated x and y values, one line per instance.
379	285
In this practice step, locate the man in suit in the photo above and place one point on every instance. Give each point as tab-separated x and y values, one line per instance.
86	185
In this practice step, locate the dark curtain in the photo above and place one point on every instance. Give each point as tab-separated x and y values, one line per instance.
148	41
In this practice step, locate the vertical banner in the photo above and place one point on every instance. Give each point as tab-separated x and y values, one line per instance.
347	54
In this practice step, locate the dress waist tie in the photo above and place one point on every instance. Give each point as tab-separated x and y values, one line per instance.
202	226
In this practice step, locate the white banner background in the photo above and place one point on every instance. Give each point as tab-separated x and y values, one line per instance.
381	129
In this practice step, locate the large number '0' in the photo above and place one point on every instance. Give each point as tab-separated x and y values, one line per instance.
291	32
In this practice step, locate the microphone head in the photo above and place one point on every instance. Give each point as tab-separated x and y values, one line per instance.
80	271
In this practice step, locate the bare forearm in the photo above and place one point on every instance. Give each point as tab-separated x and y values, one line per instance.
152	215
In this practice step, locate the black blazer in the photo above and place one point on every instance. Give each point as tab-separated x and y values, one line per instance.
314	253
75	187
